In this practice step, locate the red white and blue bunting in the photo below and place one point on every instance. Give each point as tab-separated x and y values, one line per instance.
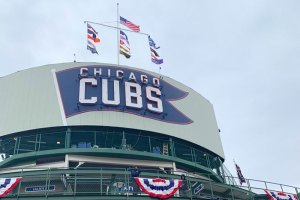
280	195
7	185
158	188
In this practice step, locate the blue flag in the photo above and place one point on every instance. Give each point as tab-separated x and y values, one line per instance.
152	43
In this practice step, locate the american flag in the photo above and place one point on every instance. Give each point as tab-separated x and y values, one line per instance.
129	24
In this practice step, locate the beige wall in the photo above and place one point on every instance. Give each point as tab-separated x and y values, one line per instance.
29	101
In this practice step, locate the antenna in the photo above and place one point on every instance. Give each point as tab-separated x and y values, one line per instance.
74	57
123	141
159	72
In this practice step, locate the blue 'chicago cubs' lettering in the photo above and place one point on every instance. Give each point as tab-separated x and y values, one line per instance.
108	88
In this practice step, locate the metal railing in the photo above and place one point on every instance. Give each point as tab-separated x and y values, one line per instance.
118	182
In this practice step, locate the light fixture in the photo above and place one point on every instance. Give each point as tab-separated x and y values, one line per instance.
32	141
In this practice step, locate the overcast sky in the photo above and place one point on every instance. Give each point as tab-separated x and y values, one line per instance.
243	56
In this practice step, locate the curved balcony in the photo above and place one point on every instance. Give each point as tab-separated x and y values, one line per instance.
117	183
32	147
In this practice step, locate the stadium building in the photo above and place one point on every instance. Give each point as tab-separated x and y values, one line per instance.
90	130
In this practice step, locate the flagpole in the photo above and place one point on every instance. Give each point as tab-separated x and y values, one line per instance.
118	35
159	72
87	39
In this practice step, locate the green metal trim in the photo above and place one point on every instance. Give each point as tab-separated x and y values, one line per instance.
61	195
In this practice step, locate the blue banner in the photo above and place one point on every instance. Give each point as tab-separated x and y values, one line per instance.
108	88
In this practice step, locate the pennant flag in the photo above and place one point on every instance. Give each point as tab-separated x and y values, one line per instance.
7	185
129	24
92	38
154	55
91	47
280	195
240	175
124	45
152	43
158	188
